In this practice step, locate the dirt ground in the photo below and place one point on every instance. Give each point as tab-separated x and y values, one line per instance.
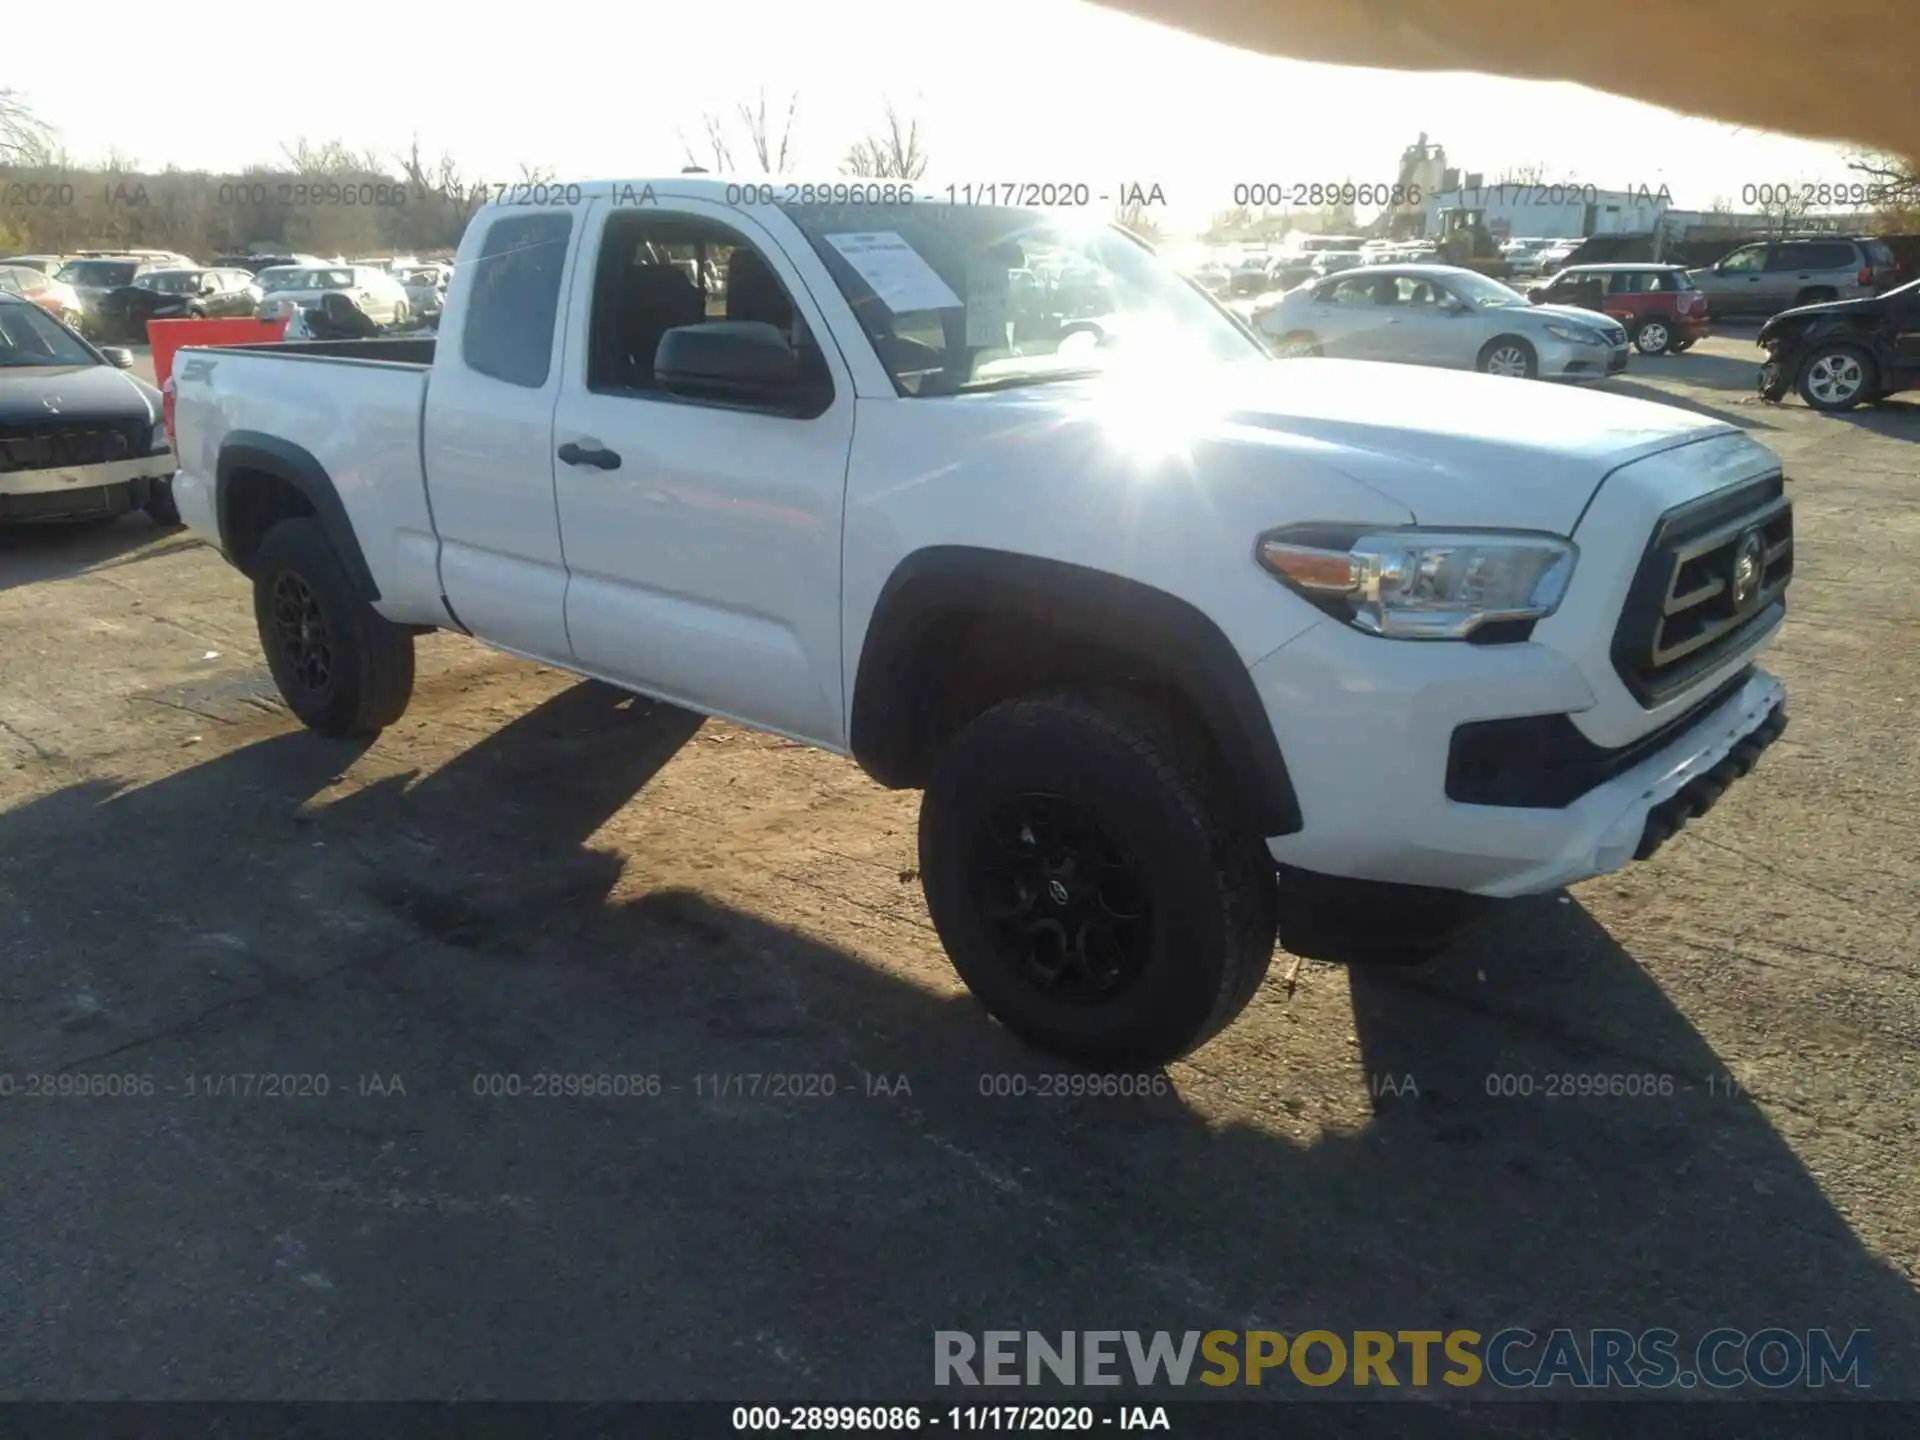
529	876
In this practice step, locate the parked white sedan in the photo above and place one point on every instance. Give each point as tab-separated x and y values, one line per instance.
1442	315
288	288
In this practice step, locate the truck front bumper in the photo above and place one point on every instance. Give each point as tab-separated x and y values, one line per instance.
81	492
1369	747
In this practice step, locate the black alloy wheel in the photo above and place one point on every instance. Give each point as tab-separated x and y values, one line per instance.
1066	907
302	632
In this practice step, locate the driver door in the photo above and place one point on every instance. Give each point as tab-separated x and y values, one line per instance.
1738	284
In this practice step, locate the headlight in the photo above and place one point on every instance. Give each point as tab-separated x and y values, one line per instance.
1576	335
1421	584
157	438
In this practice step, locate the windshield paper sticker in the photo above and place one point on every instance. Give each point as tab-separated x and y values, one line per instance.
896	272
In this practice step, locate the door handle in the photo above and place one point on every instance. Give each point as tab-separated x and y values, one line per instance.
595	455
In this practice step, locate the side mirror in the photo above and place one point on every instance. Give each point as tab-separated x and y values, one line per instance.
732	362
118	356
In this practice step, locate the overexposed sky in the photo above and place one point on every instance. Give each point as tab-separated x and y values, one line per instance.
1007	90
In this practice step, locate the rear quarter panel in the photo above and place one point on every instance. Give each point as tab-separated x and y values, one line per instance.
359	420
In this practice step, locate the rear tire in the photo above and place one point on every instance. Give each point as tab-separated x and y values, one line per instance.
1837	377
1364	922
342	668
1090	882
1815	295
1653	337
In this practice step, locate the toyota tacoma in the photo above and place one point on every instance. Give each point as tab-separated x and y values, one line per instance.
1185	646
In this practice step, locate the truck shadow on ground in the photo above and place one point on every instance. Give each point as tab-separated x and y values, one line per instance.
704	1241
56	552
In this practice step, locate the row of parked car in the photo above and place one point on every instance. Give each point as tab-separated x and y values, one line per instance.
110	296
1838	350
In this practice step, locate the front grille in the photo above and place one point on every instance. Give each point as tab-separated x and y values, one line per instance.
53	445
1714	576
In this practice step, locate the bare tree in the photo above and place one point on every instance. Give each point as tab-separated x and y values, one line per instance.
769	147
719	151
1533	172
771	150
25	139
1784	207
442	197
331	158
1230	224
895	152
1137	217
1893	189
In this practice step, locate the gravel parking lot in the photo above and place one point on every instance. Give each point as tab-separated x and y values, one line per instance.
533	877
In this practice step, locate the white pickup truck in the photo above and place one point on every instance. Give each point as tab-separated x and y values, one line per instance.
1185	644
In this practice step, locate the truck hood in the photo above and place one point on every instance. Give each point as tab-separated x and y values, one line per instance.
1455	447
73	392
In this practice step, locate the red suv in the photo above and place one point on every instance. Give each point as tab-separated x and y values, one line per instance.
1662	313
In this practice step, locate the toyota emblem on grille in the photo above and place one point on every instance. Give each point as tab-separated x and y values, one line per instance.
1749	565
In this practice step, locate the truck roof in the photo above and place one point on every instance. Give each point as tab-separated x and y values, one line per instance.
711	187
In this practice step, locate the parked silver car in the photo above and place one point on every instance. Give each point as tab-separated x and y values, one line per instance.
1769	276
1443	315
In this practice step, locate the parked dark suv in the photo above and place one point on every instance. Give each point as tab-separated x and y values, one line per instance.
1769	276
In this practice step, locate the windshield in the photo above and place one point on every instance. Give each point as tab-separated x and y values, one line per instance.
99	274
170	282
328	279
963	298
1484	294
29	337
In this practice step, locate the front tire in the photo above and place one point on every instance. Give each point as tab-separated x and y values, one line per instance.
160	506
1509	355
342	668
1837	377
1090	883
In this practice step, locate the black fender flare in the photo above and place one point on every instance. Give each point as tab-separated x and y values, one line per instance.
1122	615
286	461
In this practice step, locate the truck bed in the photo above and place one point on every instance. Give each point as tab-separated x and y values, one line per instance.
352	416
414	352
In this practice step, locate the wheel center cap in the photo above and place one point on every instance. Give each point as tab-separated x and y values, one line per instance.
1057	892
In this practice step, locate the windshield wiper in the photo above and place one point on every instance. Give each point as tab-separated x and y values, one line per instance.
1010	382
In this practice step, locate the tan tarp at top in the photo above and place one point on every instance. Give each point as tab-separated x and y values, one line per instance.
1845	70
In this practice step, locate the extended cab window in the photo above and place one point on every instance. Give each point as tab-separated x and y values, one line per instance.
514	298
658	272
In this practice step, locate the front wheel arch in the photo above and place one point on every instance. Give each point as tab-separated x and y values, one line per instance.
958	629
